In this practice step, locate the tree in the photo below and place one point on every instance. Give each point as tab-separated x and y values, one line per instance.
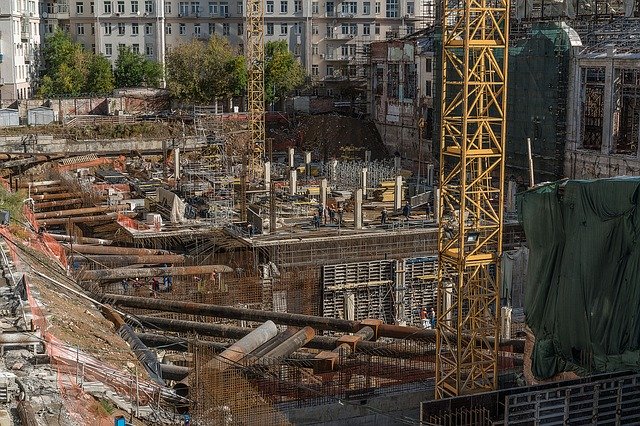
134	70
100	76
200	71
283	73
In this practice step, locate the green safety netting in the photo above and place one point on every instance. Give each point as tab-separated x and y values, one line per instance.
582	300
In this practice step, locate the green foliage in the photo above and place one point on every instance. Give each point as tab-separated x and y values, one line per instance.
12	202
70	71
134	70
203	71
100	76
283	73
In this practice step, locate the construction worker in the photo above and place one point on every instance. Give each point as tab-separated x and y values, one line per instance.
406	210
423	318
432	318
383	216
316	221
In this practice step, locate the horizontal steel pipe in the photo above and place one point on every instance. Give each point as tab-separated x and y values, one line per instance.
177	343
56	196
58	203
119	259
72	212
120	273
79	240
240	349
48	189
78	219
92	249
24	184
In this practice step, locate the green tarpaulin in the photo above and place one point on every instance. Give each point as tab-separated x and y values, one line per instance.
582	300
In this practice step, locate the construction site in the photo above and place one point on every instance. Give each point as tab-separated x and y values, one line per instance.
463	253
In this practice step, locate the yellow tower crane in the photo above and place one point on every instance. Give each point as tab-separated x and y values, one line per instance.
255	86
470	213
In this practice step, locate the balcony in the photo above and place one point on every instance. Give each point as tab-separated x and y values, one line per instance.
346	15
339	36
57	11
331	14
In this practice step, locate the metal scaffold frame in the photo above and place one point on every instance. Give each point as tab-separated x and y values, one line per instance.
474	84
255	89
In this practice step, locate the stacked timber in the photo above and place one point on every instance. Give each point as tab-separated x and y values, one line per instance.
386	192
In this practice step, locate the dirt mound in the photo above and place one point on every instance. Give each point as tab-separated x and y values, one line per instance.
331	136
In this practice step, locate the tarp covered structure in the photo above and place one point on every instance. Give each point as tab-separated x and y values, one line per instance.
582	300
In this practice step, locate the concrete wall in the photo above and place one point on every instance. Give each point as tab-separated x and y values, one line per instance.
379	411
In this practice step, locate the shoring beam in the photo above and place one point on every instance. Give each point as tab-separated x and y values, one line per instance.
126	251
121	273
79	240
130	259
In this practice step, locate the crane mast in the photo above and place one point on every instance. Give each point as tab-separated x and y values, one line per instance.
255	87
470	213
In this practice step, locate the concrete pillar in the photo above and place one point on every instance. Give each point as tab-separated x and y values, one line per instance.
436	204
267	174
505	323
176	160
350	306
357	212
367	156
291	154
307	163
399	310
323	192
293	182
511	197
430	170
397	194
397	162
334	170
363	182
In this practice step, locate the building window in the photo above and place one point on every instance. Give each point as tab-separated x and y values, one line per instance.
377	8
377	29
314	7
329	8
148	29
107	28
196	30
148	49
183	29
107	7
314	70
410	29
79	8
148	6
93	48
183	8
270	28
80	29
297	6
366	8
93	29
213	8
224	9
92	6
121	46
108	49
240	8
410	8
284	29
350	7
134	28
121	29
330	70
284	6
392	8
135	48
195	7
297	28
314	29
240	29
120	6
269	6
212	28
366	29
314	49
167	7
225	29
134	6
167	29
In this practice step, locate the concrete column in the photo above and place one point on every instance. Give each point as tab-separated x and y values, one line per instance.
399	313
397	163
176	160
350	306
436	204
397	194
367	156
293	182
307	163
430	171
608	105
291	154
357	213
334	170
323	192
267	173
363	182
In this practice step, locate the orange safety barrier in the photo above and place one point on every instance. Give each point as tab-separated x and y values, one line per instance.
28	214
129	223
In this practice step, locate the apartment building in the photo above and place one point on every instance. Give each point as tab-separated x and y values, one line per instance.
19	39
330	37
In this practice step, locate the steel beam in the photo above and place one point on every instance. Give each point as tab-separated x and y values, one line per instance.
118	274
